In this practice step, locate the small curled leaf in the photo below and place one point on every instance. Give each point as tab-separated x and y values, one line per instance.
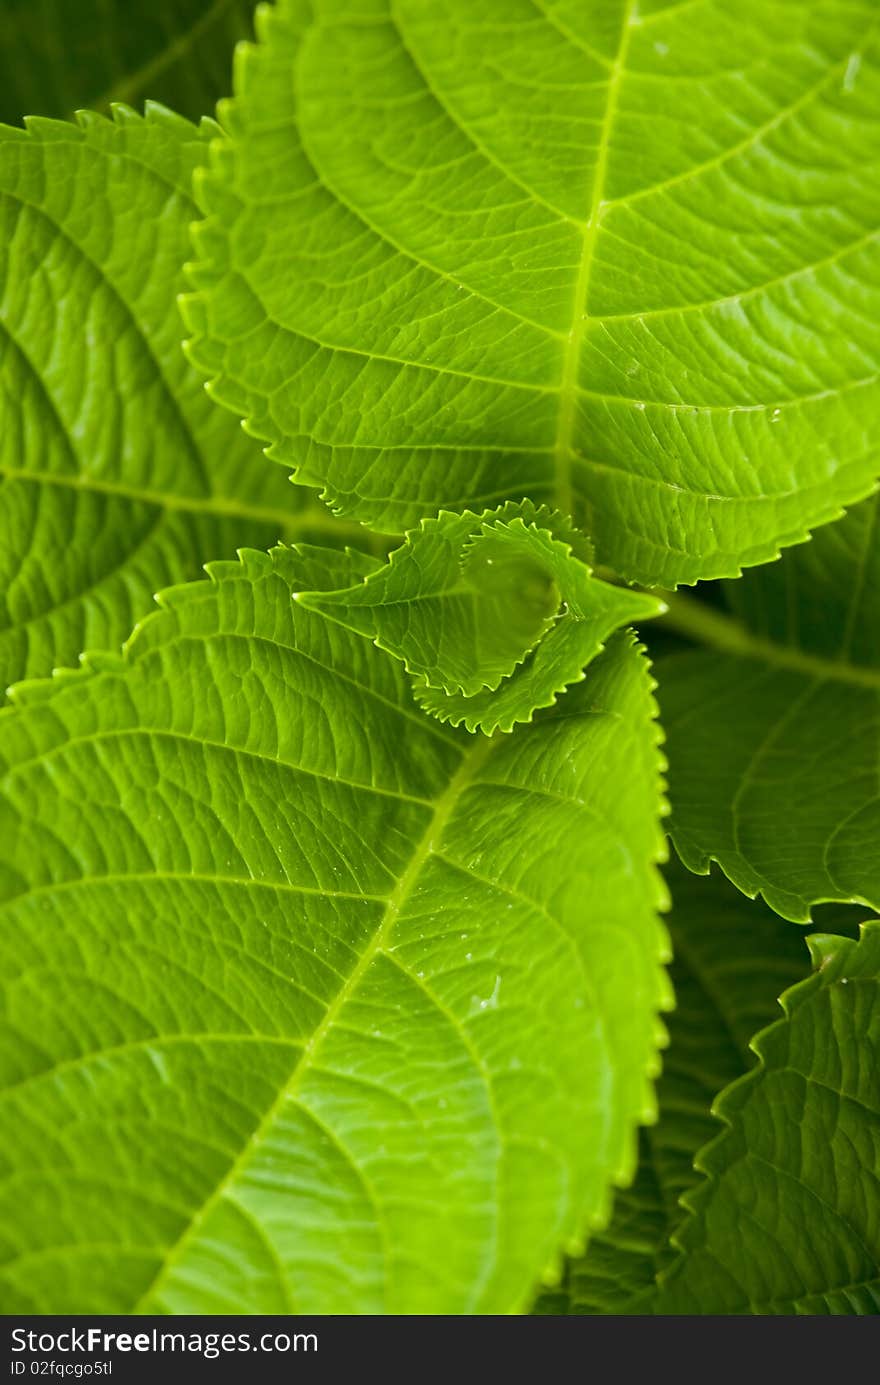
492	614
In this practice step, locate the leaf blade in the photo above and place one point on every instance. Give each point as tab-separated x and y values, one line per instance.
99	53
118	475
731	960
786	729
743	1248
510	390
264	761
491	614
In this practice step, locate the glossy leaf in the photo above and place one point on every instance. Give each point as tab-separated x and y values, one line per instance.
302	1016
619	258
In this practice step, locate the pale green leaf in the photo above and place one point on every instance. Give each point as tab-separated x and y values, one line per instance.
58	55
732	959
774	745
467	599
618	257
301	1014
788	1218
117	473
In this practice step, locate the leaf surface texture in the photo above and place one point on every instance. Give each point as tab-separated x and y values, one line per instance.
118	475
774	746
787	1220
618	257
58	56
732	959
491	614
302	1014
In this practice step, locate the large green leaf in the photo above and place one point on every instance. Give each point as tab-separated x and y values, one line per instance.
117	474
58	55
477	603
312	1003
788	1219
773	746
732	960
618	258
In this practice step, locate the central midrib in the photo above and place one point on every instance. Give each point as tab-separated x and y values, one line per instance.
444	808
568	388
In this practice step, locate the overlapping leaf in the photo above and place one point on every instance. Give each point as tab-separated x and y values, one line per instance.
309	1002
773	747
57	56
117	474
788	1219
490	613
732	959
620	258
312	1003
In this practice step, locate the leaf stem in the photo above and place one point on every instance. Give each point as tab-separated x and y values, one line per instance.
130	86
706	625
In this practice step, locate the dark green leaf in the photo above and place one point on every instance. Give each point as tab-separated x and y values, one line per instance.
57	56
788	1218
773	746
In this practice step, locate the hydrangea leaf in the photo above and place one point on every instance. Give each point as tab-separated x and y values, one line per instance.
732	959
466	600
461	603
58	56
618	257
117	474
787	1220
773	745
301	1015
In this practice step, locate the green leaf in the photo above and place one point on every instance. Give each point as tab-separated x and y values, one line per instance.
822	599
773	746
461	603
466	600
58	55
732	958
621	259
302	1015
117	474
788	1219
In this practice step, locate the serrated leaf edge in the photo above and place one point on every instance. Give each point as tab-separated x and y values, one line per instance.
622	1176
226	392
483	524
830	954
92	663
780	901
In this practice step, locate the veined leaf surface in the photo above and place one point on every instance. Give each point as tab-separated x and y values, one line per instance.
732	959
773	746
788	1218
117	475
491	614
301	1013
617	256
57	56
